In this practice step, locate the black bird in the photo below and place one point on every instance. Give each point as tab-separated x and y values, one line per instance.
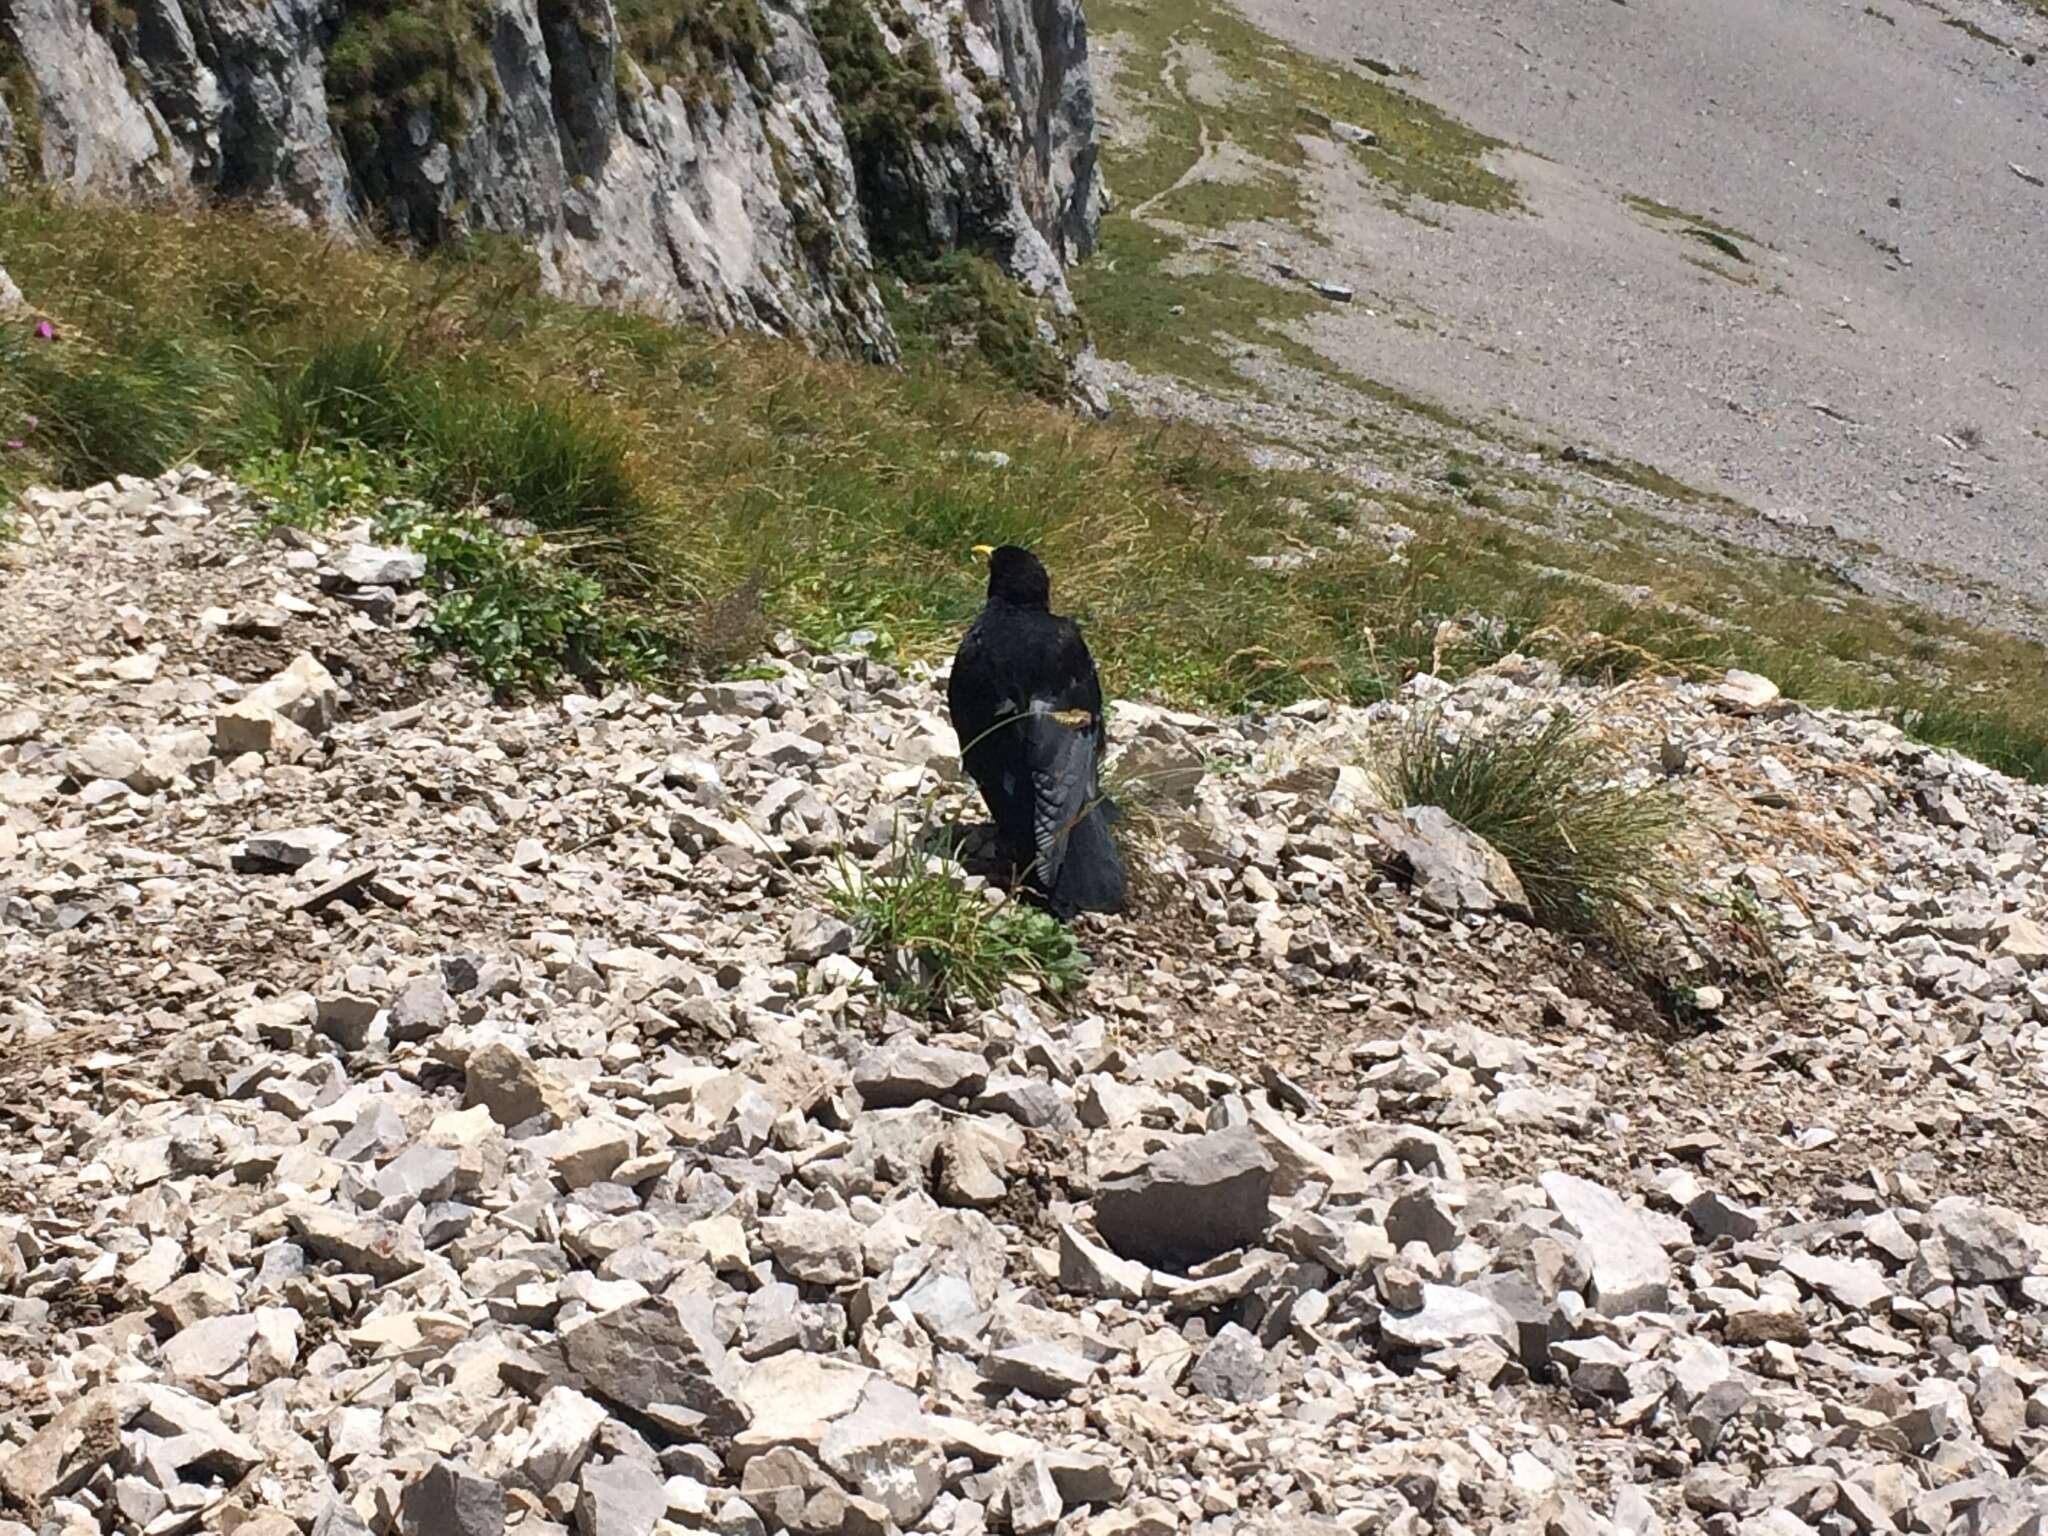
1027	707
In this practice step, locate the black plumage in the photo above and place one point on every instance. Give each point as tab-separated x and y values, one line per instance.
1027	706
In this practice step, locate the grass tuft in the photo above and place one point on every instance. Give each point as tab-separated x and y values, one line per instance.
933	941
1542	791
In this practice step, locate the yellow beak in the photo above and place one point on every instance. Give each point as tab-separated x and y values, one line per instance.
984	550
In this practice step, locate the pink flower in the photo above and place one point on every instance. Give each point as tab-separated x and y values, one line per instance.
46	331
15	445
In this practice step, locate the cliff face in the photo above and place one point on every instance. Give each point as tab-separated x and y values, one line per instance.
740	162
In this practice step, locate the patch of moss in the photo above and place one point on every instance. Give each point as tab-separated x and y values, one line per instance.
113	18
1698	226
698	45
1971	29
890	100
1129	296
1715	269
965	298
998	112
391	58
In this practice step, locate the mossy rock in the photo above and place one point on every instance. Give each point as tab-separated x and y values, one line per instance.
698	46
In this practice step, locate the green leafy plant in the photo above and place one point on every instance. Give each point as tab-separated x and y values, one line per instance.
315	487
1542	790
520	613
932	940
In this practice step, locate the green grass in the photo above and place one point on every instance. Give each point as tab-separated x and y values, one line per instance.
1136	277
964	297
1724	238
933	942
696	45
521	613
1542	792
721	487
1277	93
391	58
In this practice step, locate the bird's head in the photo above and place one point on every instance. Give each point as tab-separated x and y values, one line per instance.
1016	576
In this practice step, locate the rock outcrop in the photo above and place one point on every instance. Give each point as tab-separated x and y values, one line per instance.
737	162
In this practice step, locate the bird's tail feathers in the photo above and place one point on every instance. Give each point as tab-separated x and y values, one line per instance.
1091	876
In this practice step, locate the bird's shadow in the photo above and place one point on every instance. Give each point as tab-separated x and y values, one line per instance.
973	845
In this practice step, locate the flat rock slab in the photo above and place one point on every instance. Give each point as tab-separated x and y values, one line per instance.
1193	1201
1454	869
1631	1271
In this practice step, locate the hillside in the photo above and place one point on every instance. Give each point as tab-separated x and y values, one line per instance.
432	1114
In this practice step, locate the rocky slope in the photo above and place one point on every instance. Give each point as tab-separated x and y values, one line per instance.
739	162
424	1114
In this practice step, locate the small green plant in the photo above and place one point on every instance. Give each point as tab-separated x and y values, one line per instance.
517	610
316	487
1542	791
932	940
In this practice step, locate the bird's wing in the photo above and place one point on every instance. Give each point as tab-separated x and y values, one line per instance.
1061	761
1063	741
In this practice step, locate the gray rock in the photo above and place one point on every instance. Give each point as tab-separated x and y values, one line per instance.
1235	1367
451	1500
2000	1407
814	935
816	1247
1455	870
1029	1101
421	1010
1538	1318
212	1348
660	1355
621	1497
1595	1365
268	852
108	753
888	1451
1194	1200
1421	1216
1041	1369
1087	1269
897	1075
1631	1271
1982	1244
375	565
69	1449
511	1086
346	1019
382	1250
419	1173
1715	1215
1450	1316
1852	1287
1714	1411
1030	1496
